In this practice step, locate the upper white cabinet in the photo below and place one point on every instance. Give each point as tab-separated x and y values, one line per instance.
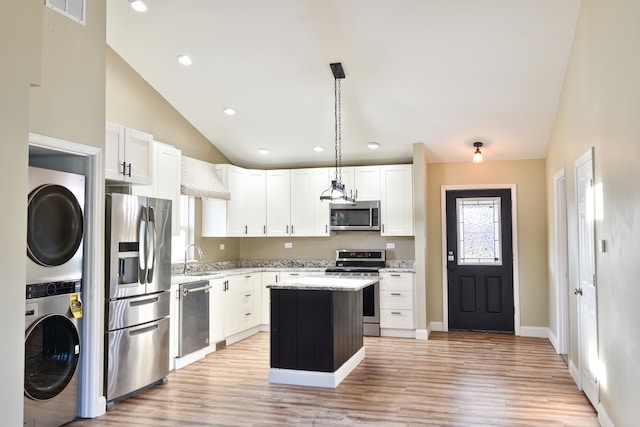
279	202
214	218
396	200
127	154
361	182
165	182
309	216
247	209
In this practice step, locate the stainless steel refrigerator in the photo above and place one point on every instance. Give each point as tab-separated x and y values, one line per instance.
138	283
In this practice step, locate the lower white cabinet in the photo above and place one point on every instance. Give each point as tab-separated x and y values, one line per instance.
242	307
174	324
397	302
268	278
217	304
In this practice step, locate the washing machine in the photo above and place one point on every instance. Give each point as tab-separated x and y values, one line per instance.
55	226
52	353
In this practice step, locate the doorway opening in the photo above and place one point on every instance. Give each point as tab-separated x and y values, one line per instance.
480	263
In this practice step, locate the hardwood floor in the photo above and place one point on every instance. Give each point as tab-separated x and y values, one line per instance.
453	379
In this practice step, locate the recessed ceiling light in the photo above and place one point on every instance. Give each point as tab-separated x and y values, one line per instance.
185	59
373	145
138	5
318	149
263	151
229	111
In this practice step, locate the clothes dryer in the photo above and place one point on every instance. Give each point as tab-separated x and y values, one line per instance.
55	226
52	353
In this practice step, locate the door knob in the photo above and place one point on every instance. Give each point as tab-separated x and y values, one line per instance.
577	291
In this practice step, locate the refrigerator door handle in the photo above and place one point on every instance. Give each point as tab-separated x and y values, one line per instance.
142	241
151	247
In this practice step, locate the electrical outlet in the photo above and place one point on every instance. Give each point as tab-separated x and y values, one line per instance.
391	245
222	246
288	245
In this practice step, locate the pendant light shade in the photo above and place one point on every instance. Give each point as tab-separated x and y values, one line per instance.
477	155
336	192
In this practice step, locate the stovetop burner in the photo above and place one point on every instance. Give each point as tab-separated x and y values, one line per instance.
355	262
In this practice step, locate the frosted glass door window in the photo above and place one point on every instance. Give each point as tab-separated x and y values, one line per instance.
479	231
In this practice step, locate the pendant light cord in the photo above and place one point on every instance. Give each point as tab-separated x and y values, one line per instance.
338	128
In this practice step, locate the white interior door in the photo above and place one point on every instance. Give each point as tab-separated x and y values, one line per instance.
586	287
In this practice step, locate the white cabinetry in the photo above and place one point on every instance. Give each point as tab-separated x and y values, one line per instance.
278	202
396	200
397	302
127	154
247	209
174	323
214	218
361	182
165	182
216	310
309	216
242	310
268	278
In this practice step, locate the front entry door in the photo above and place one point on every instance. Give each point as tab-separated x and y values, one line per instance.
480	260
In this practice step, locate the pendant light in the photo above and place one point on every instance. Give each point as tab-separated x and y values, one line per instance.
336	192
477	155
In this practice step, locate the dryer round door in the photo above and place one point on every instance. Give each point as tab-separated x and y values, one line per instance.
52	352
54	225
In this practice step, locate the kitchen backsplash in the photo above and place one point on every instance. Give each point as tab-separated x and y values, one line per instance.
230	265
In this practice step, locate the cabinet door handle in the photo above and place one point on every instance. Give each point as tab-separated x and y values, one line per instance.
247	295
247	314
326	229
287	232
246	229
248	277
124	168
292	232
396	313
264	229
129	174
383	228
395	275
396	294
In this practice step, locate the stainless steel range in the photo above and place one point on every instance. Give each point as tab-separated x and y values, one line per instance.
366	263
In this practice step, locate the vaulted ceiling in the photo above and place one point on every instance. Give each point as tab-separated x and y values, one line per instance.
444	73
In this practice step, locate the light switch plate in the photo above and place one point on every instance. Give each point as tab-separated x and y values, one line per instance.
288	245
391	245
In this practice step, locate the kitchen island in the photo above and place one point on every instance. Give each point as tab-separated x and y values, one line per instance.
316	329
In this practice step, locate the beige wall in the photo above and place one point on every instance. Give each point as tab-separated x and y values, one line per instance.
528	176
20	46
132	102
600	107
64	63
323	248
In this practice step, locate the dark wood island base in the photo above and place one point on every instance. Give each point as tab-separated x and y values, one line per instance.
316	331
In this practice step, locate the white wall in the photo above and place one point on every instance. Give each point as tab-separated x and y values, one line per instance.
600	108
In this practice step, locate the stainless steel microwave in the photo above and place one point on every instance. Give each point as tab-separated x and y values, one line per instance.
358	216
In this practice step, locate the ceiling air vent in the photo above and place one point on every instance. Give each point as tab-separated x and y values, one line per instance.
73	9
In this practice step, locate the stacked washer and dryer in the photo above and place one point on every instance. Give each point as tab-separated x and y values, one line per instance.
53	297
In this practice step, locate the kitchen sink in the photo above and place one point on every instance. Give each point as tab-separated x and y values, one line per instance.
202	273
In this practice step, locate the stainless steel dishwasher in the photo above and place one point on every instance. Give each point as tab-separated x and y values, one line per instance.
194	317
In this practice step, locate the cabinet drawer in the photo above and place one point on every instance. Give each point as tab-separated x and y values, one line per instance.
396	300
397	282
247	320
245	301
397	319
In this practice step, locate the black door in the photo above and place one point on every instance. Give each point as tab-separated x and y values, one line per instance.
480	260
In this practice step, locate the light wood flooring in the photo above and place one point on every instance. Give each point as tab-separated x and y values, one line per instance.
453	379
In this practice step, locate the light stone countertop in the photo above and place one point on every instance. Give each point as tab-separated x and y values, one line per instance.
325	283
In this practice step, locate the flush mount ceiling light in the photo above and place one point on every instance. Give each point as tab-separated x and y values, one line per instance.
336	192
477	155
373	145
318	149
138	5
185	59
229	111
263	151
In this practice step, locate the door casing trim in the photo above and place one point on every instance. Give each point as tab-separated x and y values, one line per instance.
514	234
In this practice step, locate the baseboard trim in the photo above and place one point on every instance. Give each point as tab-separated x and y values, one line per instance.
436	327
554	341
422	334
603	417
575	374
397	333
315	378
534	331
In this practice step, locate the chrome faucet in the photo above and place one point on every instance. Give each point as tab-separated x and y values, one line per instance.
185	269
